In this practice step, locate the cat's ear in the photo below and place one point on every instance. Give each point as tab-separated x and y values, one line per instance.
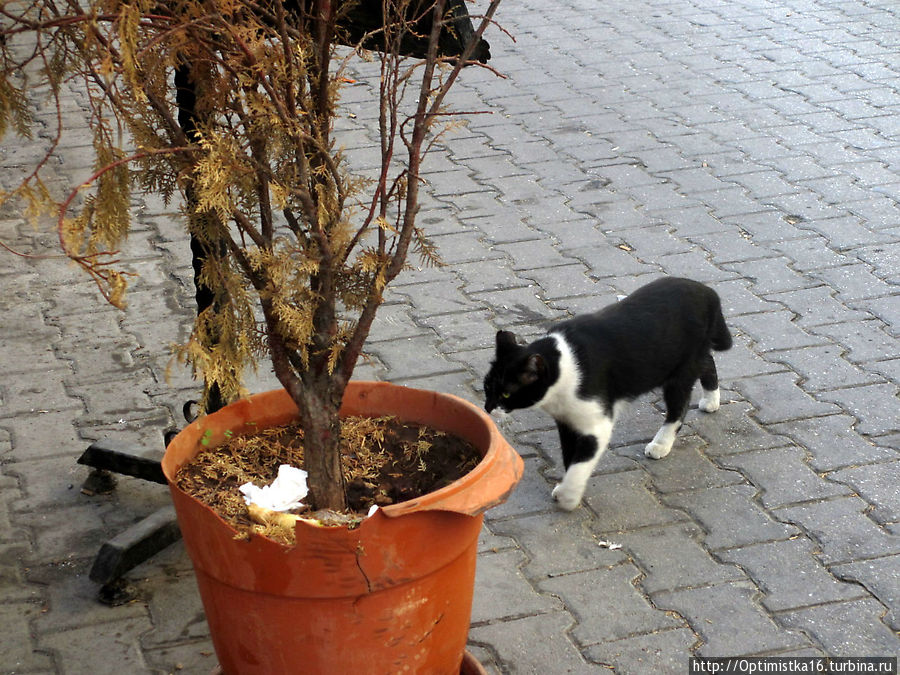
506	342
535	369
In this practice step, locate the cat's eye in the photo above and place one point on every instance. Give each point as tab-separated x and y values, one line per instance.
505	394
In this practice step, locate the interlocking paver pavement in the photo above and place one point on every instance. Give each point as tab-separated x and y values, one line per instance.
754	145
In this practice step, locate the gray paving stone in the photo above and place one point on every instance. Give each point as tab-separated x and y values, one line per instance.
570	280
461	247
477	277
393	322
884	308
737	300
772	275
724	247
882	258
504	592
734	430
21	354
484	205
13	586
718	509
609	261
109	647
47	483
658	652
607	605
762	184
827	625
798	168
816	306
671	557
832	442
775	330
718	613
73	597
190	657
842	528
695	179
557	543
876	406
457	382
174	606
514	642
687	467
569	229
880	578
823	368
50	434
114	398
622	502
515	190
742	361
29	396
17	650
531	255
856	282
889	369
532	494
692	220
520	306
866	340
694	264
878	484
846	232
876	213
789	575
87	525
651	242
777	398
783	476
666	196
442	295
766	225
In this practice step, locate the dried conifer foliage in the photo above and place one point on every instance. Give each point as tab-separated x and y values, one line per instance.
232	109
386	461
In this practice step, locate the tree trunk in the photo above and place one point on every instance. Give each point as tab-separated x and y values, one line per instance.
319	406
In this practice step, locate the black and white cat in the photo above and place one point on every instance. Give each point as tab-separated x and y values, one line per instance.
587	368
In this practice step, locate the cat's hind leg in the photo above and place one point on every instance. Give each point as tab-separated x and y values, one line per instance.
677	395
709	380
581	452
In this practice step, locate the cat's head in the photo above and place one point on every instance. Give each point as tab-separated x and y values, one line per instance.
517	377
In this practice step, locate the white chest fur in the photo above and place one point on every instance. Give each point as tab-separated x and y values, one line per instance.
561	401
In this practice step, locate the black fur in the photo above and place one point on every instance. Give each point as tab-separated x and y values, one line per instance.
659	336
662	335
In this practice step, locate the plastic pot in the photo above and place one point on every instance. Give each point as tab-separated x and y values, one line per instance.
391	596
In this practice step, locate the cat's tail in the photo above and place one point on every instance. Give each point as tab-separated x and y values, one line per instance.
720	336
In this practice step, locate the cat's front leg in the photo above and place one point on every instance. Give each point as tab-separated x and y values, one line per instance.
709	402
581	452
570	490
662	443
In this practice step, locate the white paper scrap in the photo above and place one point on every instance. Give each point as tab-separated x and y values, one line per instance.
372	510
286	492
608	544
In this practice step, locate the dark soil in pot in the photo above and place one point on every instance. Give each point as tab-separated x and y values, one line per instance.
386	461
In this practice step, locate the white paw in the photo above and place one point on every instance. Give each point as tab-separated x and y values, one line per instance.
709	402
567	499
657	450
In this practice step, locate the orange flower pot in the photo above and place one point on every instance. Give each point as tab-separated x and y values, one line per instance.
391	596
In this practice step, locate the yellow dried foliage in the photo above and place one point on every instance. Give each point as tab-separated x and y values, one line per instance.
297	244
